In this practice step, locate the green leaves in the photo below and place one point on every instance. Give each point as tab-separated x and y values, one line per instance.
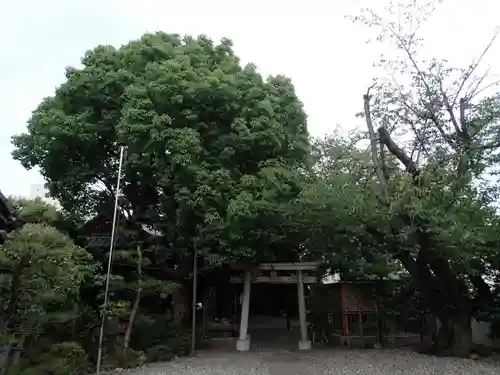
196	125
41	268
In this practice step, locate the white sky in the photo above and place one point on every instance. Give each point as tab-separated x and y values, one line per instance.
308	40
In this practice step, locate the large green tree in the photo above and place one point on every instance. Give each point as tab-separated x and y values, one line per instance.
414	193
441	125
336	203
210	144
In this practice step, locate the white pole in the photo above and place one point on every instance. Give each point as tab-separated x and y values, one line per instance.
110	258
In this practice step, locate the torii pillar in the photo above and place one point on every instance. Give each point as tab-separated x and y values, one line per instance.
304	343
243	343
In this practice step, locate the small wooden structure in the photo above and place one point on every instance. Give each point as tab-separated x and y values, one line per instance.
347	311
97	231
350	313
359	313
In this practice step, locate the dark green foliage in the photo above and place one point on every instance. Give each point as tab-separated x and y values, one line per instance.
124	358
66	358
152	330
175	346
43	276
162	340
209	144
38	211
213	154
42	271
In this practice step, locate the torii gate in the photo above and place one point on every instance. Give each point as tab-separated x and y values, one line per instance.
268	273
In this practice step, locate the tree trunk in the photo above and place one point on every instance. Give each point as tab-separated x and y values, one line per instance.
131	319
135	307
455	337
462	337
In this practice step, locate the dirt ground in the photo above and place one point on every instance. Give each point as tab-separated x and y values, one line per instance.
274	361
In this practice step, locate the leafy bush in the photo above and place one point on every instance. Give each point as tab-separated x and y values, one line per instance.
66	358
181	344
162	340
177	346
125	358
152	330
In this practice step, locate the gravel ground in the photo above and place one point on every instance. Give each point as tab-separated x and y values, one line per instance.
345	362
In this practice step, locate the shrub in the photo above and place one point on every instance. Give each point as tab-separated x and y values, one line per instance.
126	358
152	330
162	340
176	346
66	358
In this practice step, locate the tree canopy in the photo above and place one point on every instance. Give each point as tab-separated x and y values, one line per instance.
41	272
211	146
443	224
420	200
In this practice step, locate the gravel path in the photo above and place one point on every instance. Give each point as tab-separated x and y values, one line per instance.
345	362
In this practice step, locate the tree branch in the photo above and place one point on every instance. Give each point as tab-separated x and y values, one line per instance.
449	109
373	142
463	123
474	66
394	149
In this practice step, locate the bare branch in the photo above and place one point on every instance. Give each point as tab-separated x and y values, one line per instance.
420	140
477	92
431	116
383	163
477	84
474	65
463	105
451	113
373	143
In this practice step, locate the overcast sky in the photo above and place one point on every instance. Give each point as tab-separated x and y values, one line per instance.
308	40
